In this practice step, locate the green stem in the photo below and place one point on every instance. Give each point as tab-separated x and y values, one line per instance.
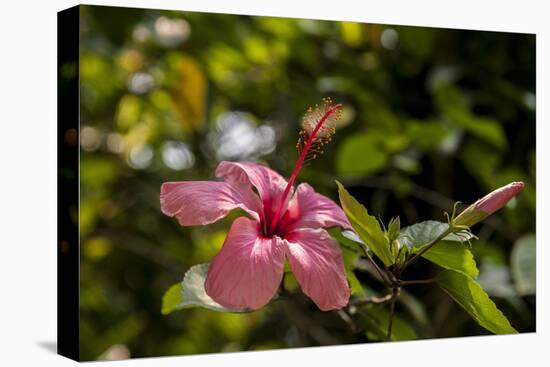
410	282
395	292
426	248
381	272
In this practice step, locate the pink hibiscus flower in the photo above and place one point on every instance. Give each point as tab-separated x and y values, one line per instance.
283	223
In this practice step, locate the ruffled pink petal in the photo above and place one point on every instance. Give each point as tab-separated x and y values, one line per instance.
316	261
270	184
248	269
309	209
204	202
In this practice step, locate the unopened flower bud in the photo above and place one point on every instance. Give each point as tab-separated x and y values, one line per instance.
488	204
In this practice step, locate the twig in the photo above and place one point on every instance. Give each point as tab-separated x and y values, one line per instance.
372	299
381	273
395	292
420	281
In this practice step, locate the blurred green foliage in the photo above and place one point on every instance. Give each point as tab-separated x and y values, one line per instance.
431	116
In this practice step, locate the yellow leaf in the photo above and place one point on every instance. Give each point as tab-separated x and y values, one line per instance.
189	94
352	33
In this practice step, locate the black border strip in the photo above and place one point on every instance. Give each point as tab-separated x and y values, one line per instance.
68	279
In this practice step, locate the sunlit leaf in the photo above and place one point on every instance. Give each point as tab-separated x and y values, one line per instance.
172	299
366	226
454	256
473	299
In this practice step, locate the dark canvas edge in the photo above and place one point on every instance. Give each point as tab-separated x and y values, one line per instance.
68	279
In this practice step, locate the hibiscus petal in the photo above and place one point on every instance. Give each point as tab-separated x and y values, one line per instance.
248	269
309	209
204	202
270	184
316	261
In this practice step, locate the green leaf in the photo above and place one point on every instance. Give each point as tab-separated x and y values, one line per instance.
350	253
349	256
482	169
473	299
192	293
426	134
354	237
421	234
486	129
347	239
523	264
394	228
348	156
366	226
453	256
453	103
449	97
356	287
287	268
377	317
172	299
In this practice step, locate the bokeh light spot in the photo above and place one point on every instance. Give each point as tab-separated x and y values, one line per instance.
140	156
177	155
389	39
171	32
141	83
90	139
